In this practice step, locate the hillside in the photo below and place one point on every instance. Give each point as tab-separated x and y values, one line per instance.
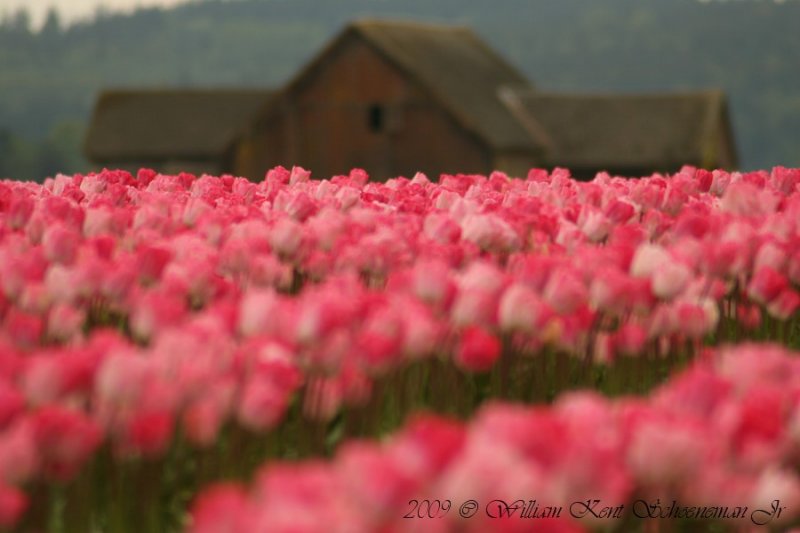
49	79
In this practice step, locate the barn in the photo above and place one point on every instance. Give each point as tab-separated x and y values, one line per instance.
397	97
628	135
172	130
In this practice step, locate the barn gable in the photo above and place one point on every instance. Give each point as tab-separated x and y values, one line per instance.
452	64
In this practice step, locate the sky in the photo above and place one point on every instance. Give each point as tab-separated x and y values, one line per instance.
72	10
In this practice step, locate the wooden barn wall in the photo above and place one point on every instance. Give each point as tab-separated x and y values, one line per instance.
262	149
726	151
326	127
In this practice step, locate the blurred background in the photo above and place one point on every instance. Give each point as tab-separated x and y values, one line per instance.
56	57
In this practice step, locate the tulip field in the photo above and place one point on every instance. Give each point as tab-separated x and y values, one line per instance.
474	354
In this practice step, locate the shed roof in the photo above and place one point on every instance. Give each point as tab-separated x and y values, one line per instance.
178	123
636	130
452	64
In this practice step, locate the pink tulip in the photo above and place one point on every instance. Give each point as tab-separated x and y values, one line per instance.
65	322
490	233
222	509
323	398
696	320
759	424
675	198
647	259
698	394
522	310
304	499
348	197
13	503
298	175
669	279
436	442
619	212
151	261
766	285
121	380
445	199
98	221
35	299
422	333
486	470
749	364
594	225
320	314
724	259
770	255
775	484
300	207
60	244
286	237
630	339
380	340
745	199
194	210
18	269
19	206
483	276
432	282
259	312
356	385
19	458
793	268
749	316
376	480
474	307
262	404
12	403
610	291
785	179
667	453
477	351
784	305
65	440
154	311
24	329
441	228
565	292
203	418
148	433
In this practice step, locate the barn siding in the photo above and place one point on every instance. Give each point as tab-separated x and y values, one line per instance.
325	125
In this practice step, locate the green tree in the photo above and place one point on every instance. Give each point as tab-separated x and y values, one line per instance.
20	21
52	23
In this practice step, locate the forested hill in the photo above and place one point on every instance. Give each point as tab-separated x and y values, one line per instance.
49	78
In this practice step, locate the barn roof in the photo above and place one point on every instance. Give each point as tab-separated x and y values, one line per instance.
659	131
150	123
452	64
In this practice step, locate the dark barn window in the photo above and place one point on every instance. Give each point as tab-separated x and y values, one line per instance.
376	118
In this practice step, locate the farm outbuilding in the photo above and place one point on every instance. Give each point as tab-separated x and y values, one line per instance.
395	98
173	130
630	135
